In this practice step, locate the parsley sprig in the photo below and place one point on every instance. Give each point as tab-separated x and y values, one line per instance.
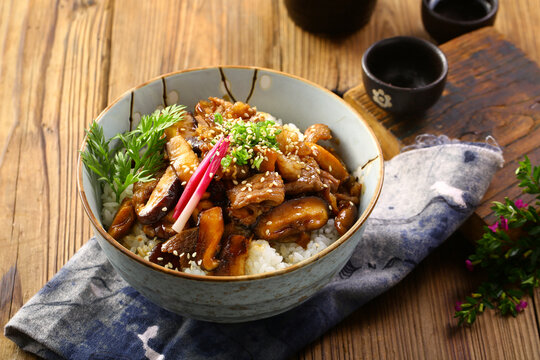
509	252
244	137
138	154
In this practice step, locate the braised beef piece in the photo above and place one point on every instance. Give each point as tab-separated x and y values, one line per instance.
267	188
123	220
309	180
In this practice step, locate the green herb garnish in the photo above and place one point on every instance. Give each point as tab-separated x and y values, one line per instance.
140	154
509	252
244	137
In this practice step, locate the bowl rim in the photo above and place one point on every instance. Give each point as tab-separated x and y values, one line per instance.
412	39
213	278
489	15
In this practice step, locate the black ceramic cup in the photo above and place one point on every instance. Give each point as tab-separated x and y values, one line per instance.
447	19
404	74
335	18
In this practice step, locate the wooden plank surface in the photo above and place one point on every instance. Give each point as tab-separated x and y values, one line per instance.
62	61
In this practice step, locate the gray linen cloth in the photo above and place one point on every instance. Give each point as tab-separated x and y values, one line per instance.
87	311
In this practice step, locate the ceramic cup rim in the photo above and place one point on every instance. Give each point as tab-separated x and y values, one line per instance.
411	39
489	15
224	279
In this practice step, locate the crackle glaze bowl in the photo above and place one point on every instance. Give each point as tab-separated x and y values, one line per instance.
240	298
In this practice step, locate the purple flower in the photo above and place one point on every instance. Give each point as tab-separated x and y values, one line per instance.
469	265
504	223
494	227
520	204
521	306
458	305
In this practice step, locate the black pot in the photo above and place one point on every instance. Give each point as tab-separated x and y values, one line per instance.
331	17
404	74
447	19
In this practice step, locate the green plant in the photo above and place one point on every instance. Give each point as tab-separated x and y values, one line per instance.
508	253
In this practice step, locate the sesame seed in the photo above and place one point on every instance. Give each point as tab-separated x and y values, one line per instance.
249	196
199	262
269	222
330	168
183	129
262	179
267	232
160	258
175	252
188	256
182	254
184	183
350	202
164	208
194	254
325	185
274	183
211	175
268	172
244	188
269	190
235	182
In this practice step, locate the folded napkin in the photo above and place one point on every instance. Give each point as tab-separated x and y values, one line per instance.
87	311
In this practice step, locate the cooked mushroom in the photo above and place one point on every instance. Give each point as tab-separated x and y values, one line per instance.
233	256
292	217
181	245
317	132
328	162
183	160
158	256
211	229
161	200
346	217
123	220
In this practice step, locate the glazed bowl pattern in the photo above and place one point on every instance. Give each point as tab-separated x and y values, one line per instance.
250	297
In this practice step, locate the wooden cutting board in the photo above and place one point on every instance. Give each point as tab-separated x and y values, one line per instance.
492	89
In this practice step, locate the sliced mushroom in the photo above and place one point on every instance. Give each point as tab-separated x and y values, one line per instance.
346	217
233	256
328	162
181	245
317	132
292	217
161	200
158	256
211	229
123	220
143	190
183	160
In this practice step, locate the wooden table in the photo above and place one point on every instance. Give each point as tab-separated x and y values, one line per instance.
62	62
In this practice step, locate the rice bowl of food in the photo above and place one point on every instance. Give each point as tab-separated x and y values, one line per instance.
229	194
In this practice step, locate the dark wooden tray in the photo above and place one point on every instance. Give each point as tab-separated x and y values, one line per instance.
492	89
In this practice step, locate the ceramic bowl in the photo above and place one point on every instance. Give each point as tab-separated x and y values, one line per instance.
447	19
334	18
404	74
250	297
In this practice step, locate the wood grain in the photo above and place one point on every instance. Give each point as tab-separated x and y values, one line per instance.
54	70
62	61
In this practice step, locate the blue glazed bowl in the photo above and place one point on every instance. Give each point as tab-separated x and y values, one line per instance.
250	297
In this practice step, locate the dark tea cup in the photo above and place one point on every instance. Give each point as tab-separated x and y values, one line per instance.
335	18
404	74
447	19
